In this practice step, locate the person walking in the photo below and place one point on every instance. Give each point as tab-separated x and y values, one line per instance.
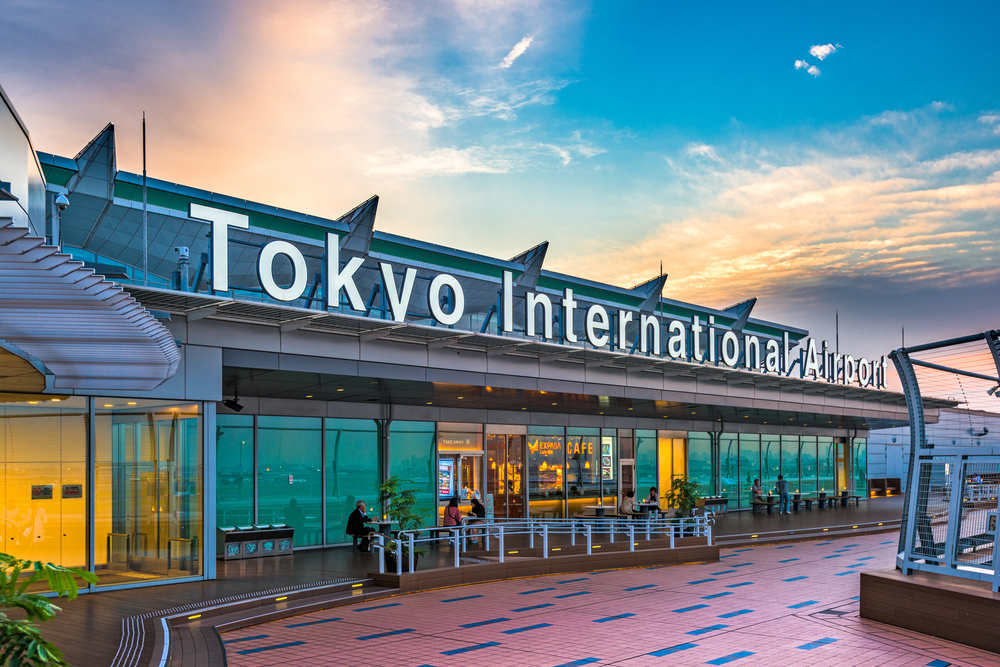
782	488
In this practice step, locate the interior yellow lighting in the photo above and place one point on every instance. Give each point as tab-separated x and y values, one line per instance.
191	618
356	585
283	597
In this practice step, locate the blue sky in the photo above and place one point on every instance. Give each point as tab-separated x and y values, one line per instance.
865	180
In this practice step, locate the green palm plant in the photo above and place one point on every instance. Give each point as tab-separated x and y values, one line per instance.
21	643
400	505
683	495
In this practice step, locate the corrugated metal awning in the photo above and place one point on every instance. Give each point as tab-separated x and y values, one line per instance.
88	333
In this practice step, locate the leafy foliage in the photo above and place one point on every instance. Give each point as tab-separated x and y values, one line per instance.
683	495
400	505
21	643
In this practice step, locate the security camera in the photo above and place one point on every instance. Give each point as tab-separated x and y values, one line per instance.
62	202
182	251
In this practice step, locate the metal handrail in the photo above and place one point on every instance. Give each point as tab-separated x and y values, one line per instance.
406	541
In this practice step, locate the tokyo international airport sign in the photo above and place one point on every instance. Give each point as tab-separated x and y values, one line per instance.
604	326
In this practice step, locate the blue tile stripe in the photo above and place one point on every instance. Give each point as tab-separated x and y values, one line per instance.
381	606
387	634
537	590
833	556
729	658
841	574
612	618
714	574
736	613
302	625
687	609
673	649
466	649
269	648
742	550
639	588
717	595
572	595
526	628
745	583
468	597
869	558
795	579
938	663
570	581
803	604
701	581
580	663
788	546
816	644
246	639
489	622
741	564
537	606
711	628
787	560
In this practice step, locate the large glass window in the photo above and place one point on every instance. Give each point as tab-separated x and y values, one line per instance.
460	465
729	459
770	456
700	464
861	467
645	463
790	461
546	472
411	456
289	481
807	455
148	493
583	467
43	474
609	466
827	462
749	466
234	470
353	471
672	463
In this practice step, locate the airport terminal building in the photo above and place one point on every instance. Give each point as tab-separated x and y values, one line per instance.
268	366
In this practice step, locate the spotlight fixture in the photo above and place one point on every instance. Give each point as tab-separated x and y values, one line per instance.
234	402
993	391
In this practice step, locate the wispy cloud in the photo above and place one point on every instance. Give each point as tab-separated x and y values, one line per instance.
516	52
821	51
811	69
801	64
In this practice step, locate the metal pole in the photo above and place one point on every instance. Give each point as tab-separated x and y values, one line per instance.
545	541
456	538
145	228
410	555
500	539
588	540
631	537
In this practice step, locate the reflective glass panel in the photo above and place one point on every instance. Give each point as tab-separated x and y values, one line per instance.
412	449
546	472
729	460
645	463
583	468
827	464
353	471
234	470
861	467
749	466
807	448
700	462
289	481
148	492
609	466
770	456
790	461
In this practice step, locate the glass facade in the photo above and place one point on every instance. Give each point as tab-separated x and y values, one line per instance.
749	467
807	457
729	467
646	450
412	455
583	468
234	462
353	471
148	498
860	465
546	472
289	475
43	446
826	460
701	466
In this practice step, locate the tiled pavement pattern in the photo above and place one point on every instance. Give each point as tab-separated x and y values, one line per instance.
793	604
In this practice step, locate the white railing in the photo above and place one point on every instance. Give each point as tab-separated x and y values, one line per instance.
640	527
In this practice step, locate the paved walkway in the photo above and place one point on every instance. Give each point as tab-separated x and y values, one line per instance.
792	604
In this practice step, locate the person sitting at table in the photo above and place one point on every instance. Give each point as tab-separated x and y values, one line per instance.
654	498
452	515
479	511
356	527
628	503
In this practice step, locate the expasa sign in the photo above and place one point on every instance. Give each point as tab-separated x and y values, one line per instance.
604	327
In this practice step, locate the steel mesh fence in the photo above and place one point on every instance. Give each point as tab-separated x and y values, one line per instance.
930	521
977	523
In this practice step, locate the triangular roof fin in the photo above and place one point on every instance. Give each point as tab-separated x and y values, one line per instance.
532	260
360	221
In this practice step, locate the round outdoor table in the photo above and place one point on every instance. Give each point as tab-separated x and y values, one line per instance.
384	527
598	509
648	507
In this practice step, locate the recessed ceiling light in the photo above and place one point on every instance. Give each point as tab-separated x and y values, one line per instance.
108	405
56	400
309	396
630	408
430	403
33	402
461	397
341	389
600	413
524	408
132	403
694	413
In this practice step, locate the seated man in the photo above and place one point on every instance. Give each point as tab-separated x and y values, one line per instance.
356	526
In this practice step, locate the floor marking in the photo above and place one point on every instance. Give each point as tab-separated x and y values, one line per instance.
492	620
387	634
816	644
736	613
717	595
381	606
711	628
537	606
302	625
803	604
456	651
269	648
687	609
537	590
612	618
245	639
525	629
729	658
572	595
672	649
468	597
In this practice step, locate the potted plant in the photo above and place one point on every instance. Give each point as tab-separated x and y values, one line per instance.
20	641
683	495
400	506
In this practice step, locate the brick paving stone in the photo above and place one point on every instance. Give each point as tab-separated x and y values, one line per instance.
797	611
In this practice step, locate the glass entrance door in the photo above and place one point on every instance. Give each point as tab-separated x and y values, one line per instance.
504	474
